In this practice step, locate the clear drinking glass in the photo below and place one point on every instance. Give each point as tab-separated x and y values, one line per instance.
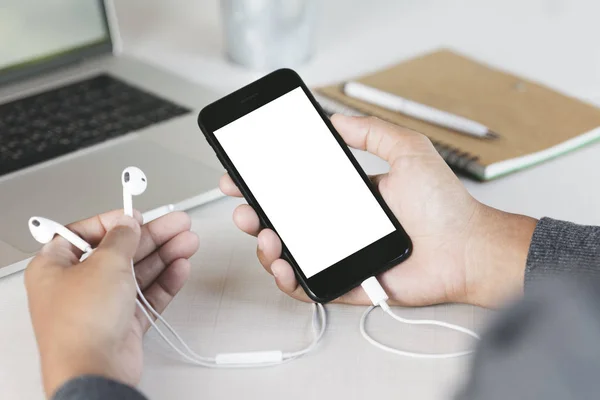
269	34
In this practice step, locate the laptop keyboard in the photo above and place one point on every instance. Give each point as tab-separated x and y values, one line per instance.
62	120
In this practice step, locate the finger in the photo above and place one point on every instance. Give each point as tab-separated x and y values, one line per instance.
154	233
268	249
246	219
286	280
160	231
93	229
377	179
118	246
164	288
378	137
59	253
184	245
228	187
62	253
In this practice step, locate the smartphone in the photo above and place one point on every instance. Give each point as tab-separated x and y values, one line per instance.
295	170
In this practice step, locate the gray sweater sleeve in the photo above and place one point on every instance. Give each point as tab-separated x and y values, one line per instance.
89	387
545	346
562	248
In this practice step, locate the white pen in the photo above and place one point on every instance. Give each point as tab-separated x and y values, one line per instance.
419	111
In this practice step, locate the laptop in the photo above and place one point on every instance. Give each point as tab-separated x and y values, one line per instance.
74	113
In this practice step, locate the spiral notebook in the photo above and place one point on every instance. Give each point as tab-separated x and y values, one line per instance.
535	123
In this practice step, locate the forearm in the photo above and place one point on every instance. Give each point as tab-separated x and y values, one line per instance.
90	387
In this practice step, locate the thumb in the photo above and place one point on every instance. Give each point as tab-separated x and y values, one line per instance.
383	139
121	242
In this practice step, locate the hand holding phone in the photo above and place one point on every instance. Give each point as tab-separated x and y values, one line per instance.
277	144
464	251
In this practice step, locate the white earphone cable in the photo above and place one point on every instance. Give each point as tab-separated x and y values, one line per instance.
195	358
378	297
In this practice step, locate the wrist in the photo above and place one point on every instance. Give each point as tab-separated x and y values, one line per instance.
58	370
496	256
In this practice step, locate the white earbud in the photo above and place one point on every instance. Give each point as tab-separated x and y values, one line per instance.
134	183
44	229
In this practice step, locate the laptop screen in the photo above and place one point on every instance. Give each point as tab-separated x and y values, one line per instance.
37	33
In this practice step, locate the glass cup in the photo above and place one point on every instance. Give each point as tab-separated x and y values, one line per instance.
269	34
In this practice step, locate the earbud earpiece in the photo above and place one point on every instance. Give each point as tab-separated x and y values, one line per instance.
134	180
44	229
134	183
41	229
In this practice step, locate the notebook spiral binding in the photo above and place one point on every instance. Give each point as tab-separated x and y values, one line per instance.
457	159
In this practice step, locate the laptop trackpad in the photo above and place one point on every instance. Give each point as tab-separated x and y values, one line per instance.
89	184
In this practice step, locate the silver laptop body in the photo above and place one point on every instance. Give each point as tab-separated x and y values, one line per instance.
173	153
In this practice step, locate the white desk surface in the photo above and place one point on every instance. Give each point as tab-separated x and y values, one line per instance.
230	304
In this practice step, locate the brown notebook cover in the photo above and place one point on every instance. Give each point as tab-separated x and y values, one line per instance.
535	123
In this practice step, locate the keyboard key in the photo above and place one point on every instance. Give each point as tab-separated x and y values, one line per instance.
59	121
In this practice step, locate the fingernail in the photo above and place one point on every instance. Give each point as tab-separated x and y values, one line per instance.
275	270
125	220
342	116
261	243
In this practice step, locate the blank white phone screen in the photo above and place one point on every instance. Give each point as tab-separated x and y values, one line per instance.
304	182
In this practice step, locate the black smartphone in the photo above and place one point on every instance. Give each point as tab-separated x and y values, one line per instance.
291	165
